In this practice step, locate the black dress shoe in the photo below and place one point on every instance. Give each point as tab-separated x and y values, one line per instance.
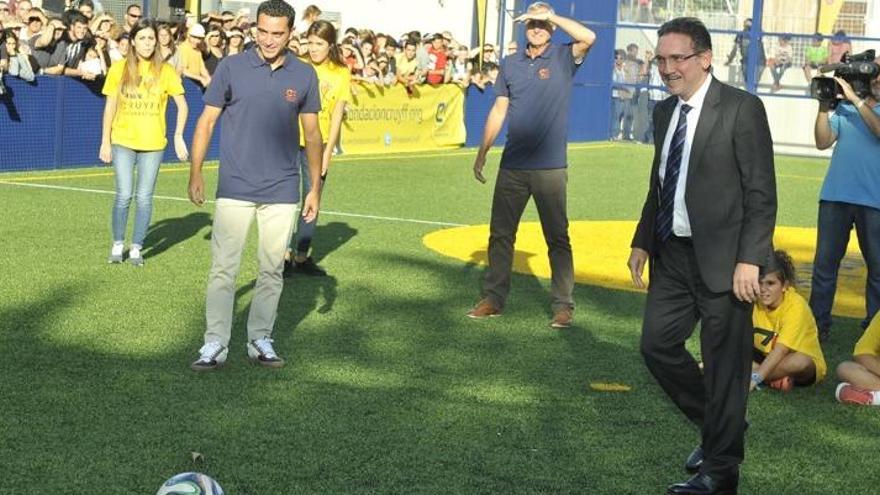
695	460
703	484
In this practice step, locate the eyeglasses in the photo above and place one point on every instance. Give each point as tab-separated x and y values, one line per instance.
135	16
4	10
673	60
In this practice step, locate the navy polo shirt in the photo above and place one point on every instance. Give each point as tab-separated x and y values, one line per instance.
537	117
259	138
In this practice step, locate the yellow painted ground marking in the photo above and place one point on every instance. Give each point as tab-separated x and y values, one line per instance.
601	249
609	387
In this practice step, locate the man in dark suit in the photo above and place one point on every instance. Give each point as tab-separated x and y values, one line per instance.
707	226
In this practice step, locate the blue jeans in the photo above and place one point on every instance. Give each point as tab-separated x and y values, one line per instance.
125	160
305	231
621	112
835	222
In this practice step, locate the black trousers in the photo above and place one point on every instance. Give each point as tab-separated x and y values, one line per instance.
714	399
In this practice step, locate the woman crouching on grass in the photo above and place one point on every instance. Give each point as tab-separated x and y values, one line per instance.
334	79
133	137
787	351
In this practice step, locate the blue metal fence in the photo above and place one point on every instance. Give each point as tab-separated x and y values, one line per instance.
55	122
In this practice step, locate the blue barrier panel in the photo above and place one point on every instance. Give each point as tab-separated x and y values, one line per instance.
28	118
55	122
82	108
476	109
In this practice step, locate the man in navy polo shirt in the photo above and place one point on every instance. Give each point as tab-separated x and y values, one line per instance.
260	95
533	88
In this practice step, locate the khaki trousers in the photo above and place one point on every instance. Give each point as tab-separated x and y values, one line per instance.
232	220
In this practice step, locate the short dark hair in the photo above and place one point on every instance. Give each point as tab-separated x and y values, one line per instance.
631	46
690	27
76	16
133	6
781	263
277	8
87	3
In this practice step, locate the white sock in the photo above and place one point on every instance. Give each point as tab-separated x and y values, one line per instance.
134	251
117	248
876	395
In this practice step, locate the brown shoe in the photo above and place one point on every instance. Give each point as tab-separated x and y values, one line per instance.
484	309
561	318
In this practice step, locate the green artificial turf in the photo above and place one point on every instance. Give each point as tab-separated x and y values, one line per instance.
388	387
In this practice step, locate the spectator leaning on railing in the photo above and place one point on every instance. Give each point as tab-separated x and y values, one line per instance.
408	65
12	59
71	50
436	70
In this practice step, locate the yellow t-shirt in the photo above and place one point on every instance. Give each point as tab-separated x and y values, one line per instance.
334	83
406	67
792	325
139	123
191	59
870	342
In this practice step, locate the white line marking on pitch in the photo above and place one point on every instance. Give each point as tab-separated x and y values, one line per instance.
185	200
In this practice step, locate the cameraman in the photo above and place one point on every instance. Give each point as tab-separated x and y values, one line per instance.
850	196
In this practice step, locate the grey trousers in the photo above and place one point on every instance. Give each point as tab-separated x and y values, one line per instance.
513	188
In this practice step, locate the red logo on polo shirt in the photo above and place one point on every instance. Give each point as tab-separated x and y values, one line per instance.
544	73
290	95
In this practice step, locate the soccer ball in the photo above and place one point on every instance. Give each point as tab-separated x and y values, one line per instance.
190	484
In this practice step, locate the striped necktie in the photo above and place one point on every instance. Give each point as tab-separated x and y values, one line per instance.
670	180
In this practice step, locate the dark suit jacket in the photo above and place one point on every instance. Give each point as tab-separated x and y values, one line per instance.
731	185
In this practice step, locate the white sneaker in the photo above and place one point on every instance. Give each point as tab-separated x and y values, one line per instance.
261	351
134	255
115	253
849	394
212	356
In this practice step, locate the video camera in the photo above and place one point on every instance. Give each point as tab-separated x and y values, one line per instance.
858	70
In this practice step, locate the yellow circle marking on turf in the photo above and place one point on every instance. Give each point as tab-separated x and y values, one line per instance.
601	249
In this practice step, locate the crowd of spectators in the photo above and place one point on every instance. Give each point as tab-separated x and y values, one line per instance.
84	42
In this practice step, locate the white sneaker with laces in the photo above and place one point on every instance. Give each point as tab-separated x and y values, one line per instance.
261	351
116	253
212	356
134	255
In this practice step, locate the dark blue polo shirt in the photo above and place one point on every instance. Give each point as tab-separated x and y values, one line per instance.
259	137
537	118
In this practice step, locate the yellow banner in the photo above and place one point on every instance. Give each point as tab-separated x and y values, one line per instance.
828	12
390	120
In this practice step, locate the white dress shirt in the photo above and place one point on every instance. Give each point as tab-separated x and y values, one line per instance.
681	224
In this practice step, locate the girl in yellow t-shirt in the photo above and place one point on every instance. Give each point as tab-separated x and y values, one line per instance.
334	80
860	378
786	341
133	137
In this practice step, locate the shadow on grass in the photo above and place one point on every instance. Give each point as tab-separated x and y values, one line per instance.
167	233
391	391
